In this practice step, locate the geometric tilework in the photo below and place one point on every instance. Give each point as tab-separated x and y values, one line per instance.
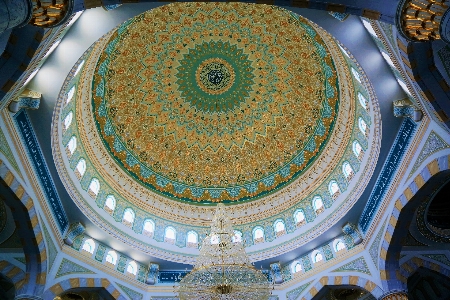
4	148
358	265
131	293
292	295
433	144
52	251
373	250
437	165
361	282
75	282
68	267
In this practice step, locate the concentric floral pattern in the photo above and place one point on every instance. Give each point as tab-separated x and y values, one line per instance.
213	102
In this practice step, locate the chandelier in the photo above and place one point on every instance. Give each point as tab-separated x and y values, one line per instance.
223	269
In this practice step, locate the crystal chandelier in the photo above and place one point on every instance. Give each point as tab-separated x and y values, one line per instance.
223	269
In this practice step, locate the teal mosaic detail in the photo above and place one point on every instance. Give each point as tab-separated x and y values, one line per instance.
373	250
327	252
295	293
142	273
69	267
131	293
52	252
4	148
121	264
306	262
388	30
358	265
433	144
77	242
286	273
100	253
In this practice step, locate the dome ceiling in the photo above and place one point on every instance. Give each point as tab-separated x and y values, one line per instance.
190	104
210	103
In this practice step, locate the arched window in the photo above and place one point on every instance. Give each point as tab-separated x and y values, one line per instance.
89	246
80	168
94	187
356	75
258	235
344	51
110	204
363	101
388	59
280	228
111	257
339	245
149	228
357	149
132	268
347	170
363	127
71	146
318	204
192	239
333	189
78	68
317	257
404	86
170	235
70	94
237	238
68	120
128	217
369	28
296	267
299	217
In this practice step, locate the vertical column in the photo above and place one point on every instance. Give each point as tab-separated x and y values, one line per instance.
14	13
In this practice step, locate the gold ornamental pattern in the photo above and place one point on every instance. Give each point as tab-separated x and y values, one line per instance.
146	91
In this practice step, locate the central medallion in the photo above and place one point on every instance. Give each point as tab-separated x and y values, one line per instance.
215	76
223	76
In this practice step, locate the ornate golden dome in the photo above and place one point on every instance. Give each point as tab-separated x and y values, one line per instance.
190	104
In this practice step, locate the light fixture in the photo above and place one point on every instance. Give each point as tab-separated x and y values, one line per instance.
223	270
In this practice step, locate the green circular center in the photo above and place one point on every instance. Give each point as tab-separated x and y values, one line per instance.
215	76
